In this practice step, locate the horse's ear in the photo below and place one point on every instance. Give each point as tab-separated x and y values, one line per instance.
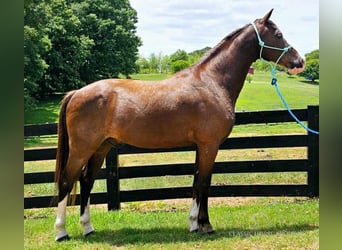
267	16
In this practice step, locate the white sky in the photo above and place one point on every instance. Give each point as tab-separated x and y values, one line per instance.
167	25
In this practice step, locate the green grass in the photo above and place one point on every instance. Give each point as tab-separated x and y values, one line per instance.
261	95
280	223
46	111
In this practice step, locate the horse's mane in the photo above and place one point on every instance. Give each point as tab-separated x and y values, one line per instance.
215	50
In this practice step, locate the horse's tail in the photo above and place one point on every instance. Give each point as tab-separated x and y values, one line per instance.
63	139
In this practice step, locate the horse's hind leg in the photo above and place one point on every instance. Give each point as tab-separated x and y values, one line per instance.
68	178
87	179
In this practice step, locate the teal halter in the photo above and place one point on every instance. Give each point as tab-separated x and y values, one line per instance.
262	46
274	76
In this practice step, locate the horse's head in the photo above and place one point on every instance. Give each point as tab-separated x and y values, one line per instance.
273	46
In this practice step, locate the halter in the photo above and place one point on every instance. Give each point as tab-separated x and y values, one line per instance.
262	46
274	76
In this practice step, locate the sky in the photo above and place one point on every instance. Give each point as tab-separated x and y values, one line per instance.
168	25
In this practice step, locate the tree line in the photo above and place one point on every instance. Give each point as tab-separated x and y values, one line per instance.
70	43
159	63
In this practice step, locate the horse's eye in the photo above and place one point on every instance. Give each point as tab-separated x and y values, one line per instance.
279	34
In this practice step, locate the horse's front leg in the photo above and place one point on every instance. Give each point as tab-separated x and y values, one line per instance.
199	217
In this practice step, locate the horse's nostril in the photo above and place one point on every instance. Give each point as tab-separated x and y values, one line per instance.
298	63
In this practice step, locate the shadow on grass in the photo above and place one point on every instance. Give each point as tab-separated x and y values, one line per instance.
128	236
310	82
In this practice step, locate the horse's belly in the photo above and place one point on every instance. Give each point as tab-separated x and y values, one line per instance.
158	136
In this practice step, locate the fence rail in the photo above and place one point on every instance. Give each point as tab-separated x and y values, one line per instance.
112	173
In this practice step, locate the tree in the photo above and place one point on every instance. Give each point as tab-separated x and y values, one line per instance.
36	46
179	55
143	65
312	55
179	65
69	43
179	60
70	50
153	63
311	71
111	25
196	55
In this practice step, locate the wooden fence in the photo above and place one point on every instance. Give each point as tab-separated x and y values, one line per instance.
113	174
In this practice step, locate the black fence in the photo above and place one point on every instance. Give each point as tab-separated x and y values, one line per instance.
113	173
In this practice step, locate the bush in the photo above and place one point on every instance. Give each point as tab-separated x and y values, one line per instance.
179	65
311	71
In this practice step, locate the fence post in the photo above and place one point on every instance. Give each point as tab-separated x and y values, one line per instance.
313	151
113	182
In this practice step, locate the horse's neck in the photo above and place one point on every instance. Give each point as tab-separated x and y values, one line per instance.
230	65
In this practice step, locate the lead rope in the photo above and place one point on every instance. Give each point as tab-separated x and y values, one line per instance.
274	78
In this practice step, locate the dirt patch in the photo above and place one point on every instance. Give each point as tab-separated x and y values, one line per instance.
184	204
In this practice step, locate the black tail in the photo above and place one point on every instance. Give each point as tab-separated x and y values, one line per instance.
63	139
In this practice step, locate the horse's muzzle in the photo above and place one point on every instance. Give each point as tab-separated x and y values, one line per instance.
297	66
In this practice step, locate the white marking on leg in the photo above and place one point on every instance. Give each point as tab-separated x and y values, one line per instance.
85	220
60	219
193	217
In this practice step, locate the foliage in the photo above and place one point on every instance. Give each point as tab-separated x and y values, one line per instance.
36	46
312	55
163	63
179	55
179	65
196	55
160	63
311	71
111	25
68	44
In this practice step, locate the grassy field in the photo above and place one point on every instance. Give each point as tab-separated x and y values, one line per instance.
241	223
252	224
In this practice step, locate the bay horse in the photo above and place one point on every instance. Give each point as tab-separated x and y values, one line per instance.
194	107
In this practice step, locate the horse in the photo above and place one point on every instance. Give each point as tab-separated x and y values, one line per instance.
194	107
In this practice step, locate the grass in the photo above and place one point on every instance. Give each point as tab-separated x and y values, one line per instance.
261	95
46	111
258	224
241	223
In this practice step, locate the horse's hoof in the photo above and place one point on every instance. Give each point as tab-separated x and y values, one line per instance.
89	233
194	231
63	238
206	229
